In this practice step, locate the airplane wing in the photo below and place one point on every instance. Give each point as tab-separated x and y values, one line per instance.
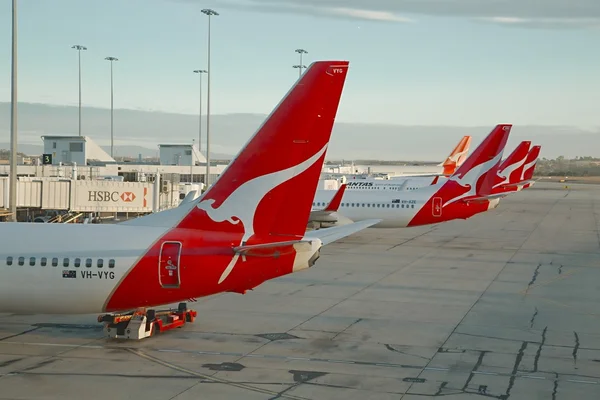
329	235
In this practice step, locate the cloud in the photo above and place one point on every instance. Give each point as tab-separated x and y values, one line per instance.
332	9
530	13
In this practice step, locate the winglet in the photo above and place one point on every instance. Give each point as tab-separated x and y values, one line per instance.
335	202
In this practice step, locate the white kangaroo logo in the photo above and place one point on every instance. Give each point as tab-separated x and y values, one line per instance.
507	172
472	176
243	202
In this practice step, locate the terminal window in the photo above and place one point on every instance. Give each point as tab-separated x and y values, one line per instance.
76	146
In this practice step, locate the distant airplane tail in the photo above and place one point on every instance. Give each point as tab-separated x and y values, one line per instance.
471	183
476	176
511	169
529	168
458	156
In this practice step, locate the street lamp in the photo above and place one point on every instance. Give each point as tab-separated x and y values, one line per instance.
13	118
200	72
210	13
79	48
111	59
300	66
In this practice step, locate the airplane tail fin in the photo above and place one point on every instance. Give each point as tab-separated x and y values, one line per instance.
529	168
511	168
268	188
335	202
458	156
531	162
476	176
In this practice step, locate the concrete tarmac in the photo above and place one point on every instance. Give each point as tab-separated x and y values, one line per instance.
504	306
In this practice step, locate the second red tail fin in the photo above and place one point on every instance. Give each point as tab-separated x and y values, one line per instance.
511	169
478	173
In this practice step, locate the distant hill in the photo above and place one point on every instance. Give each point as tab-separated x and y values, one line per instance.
139	131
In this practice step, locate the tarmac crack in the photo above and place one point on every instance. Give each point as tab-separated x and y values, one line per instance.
475	368
511	381
533	318
534	277
576	348
555	388
391	348
539	350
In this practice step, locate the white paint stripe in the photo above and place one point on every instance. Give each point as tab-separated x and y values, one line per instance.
436	369
531	377
169	351
578	381
484	373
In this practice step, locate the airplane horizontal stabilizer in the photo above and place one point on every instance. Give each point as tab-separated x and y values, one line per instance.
476	199
330	235
270	249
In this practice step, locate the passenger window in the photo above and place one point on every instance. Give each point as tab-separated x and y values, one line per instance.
100	263
9	260
77	262
43	261
65	262
111	263
55	262
88	263
32	261
21	260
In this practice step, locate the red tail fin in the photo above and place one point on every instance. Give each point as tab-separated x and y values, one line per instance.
511	169
530	163
476	176
457	156
260	188
335	202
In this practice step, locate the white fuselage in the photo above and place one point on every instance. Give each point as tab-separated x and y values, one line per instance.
398	184
396	209
32	287
75	268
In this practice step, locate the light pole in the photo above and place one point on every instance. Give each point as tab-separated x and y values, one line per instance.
13	118
210	13
200	72
300	66
79	48
111	59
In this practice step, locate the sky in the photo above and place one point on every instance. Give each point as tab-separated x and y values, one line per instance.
434	62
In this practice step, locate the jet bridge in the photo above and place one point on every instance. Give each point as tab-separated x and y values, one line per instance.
84	196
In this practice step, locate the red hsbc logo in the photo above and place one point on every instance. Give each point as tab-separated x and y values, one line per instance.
127	197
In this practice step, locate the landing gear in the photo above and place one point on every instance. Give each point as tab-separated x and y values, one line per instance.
141	324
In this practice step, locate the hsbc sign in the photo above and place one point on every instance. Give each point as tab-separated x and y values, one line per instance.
108	196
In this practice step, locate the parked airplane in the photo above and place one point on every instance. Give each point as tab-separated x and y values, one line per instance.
237	235
446	167
466	193
401	184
